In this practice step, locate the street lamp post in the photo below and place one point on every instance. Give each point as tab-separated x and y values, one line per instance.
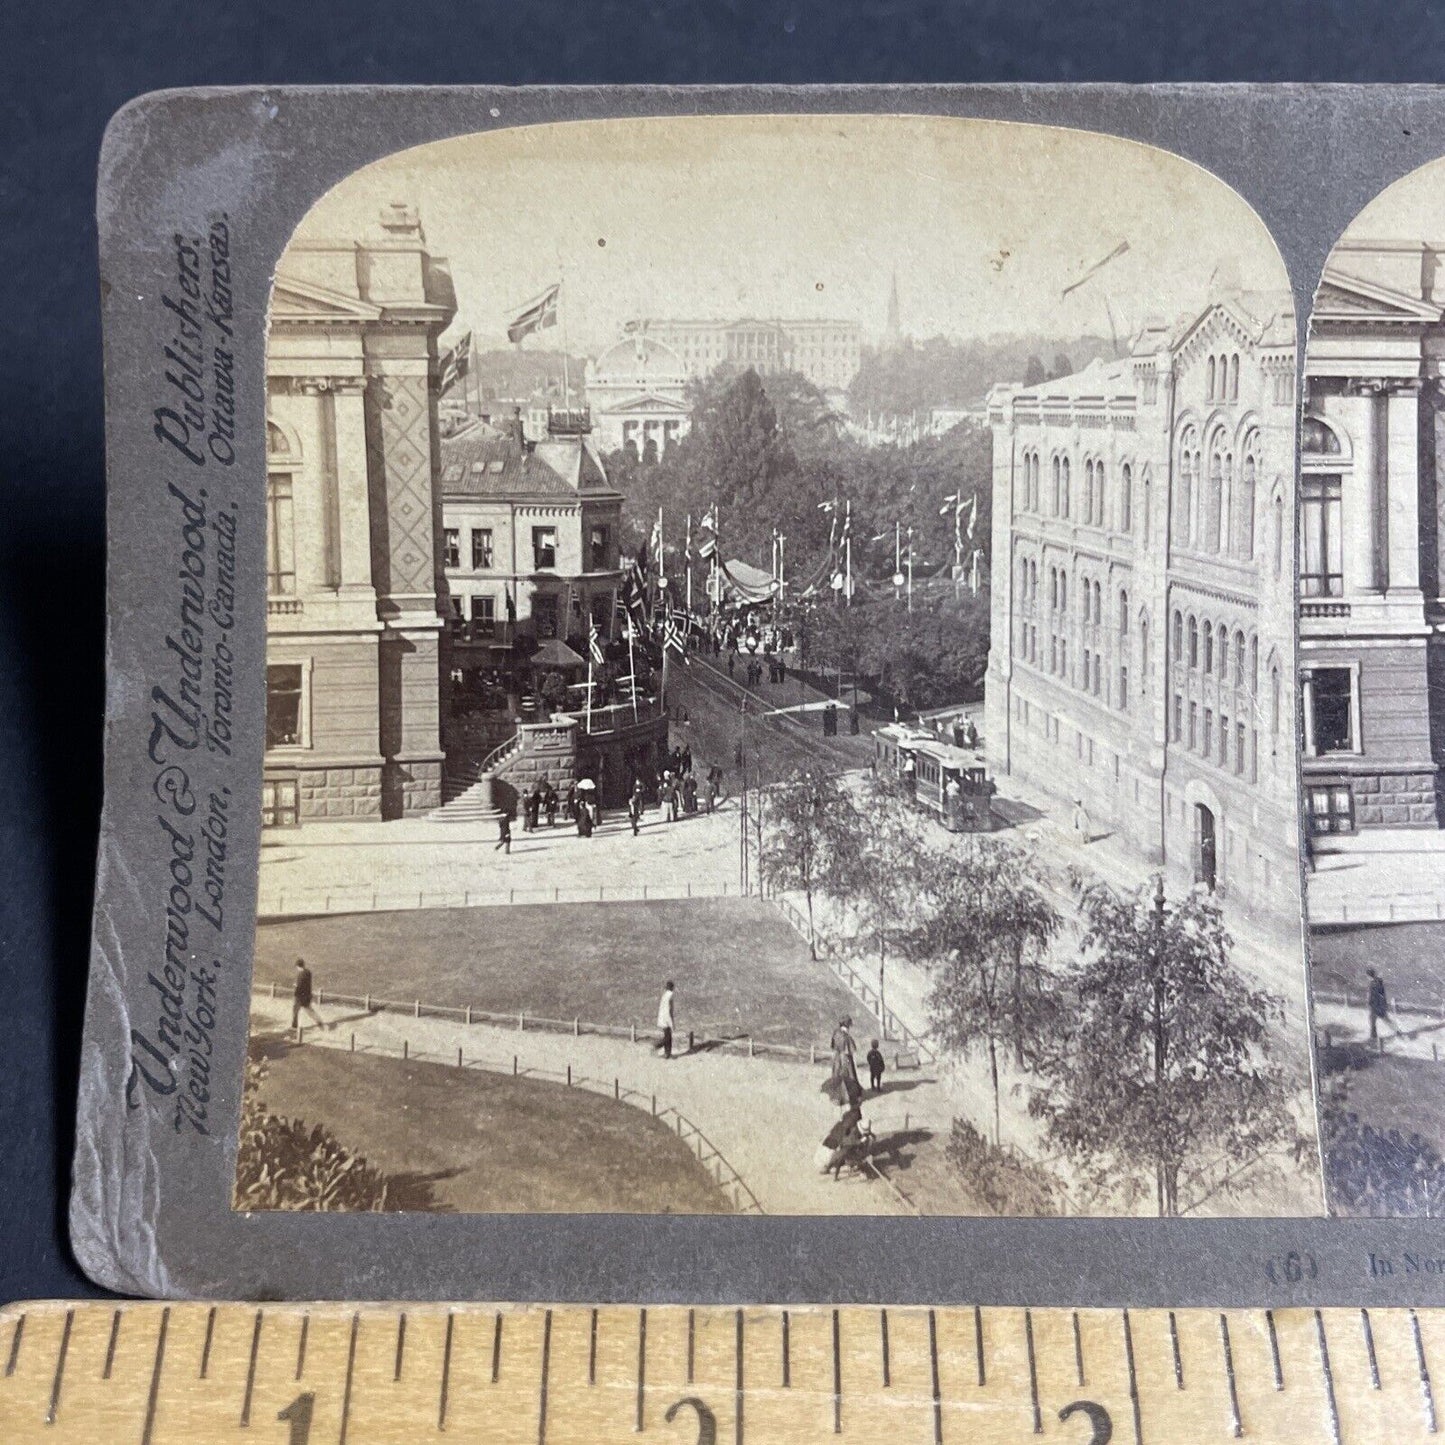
1163	1187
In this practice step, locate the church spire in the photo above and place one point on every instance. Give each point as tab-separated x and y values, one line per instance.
893	334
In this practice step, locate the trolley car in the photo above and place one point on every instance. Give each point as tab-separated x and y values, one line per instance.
948	782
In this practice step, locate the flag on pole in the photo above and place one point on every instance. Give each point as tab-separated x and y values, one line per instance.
594	640
538	313
972	515
511	605
454	364
655	544
673	638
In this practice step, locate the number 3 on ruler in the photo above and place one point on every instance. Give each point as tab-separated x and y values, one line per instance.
298	1412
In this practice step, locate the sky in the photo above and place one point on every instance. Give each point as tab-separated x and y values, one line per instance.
1412	209
984	222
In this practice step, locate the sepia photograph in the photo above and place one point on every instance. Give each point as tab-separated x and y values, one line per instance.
781	685
1372	688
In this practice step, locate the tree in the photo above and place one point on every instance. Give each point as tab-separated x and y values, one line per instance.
878	856
1062	365
985	933
808	815
1034	373
1168	1064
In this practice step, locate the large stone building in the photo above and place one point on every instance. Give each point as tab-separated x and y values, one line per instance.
1143	621
636	393
1372	653
530	537
827	352
354	559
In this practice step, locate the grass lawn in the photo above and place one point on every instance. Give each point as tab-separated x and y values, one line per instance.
739	968
472	1142
1410	957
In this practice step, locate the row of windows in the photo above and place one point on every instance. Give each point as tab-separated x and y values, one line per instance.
1231	746
1091	508
1203	647
1093	669
1216	501
1222	378
544	548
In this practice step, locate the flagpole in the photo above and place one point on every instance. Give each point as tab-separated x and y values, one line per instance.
589	685
689	569
632	667
848	554
910	567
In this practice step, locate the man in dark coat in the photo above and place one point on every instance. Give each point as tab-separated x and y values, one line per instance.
301	997
1379	1008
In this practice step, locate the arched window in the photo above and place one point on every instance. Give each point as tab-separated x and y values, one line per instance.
1123	614
1211	379
1277	533
1143	650
1193	643
1033	581
1318	438
1099	511
1222	660
1063	590
1054	588
1184	511
1178	635
1088	492
1058	475
1208	647
1148	503
1253	666
1034	482
1066	488
1098	604
1244	510
1213	497
1274	702
1126	498
1234	377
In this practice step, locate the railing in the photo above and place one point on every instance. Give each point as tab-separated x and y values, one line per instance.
294	902
744	1045
503	750
864	991
284	606
740	1195
617	716
1324	609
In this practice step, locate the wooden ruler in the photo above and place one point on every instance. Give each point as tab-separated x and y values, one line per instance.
189	1374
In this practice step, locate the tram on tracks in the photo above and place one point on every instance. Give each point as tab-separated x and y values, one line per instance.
946	781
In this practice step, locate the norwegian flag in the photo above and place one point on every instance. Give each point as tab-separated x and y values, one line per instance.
594	641
674	639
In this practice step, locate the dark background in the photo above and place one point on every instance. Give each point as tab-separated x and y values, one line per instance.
65	67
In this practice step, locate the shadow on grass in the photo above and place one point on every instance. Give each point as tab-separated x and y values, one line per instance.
407	1193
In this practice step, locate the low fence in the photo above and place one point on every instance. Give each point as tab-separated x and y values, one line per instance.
744	1045
292	902
742	1198
893	1026
1325	912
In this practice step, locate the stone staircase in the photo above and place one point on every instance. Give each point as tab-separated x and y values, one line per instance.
535	751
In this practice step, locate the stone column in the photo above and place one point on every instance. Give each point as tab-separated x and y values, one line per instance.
352	485
1402	489
311	489
1359	511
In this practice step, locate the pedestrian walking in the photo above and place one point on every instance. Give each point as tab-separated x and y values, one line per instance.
732	660
712	789
665	1020
1083	829
674	799
504	833
301	997
634	807
549	802
1379	1008
842	1085
875	1067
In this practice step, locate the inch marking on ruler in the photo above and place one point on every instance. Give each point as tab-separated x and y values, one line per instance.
147	1374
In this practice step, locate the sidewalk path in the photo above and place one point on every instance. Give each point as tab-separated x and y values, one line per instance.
1385	875
765	1116
420	863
